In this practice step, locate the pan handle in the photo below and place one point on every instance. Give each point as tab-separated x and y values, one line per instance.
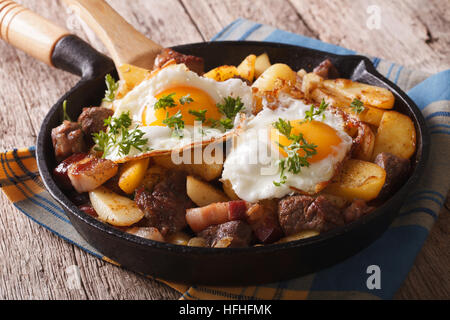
49	43
28	31
125	44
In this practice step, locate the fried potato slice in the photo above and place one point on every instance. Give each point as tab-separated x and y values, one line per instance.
133	75
370	115
371	96
202	193
131	174
222	73
228	188
246	69
396	134
262	63
357	180
180	238
114	209
310	82
274	76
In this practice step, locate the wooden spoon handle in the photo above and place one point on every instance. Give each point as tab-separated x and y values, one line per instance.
28	31
124	43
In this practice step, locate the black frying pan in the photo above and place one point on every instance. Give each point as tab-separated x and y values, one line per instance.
228	266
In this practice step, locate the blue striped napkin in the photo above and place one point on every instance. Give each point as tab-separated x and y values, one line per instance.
393	253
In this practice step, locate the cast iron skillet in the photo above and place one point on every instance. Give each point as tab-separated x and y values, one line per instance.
229	266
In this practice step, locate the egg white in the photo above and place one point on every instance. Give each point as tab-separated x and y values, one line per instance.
140	102
251	165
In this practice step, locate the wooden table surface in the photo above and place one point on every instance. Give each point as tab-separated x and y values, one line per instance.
35	264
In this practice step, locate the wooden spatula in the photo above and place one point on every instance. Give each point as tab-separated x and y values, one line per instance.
125	44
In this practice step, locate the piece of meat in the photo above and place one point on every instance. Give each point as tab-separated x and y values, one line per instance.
298	213
230	234
326	70
92	120
195	64
90	173
215	213
67	139
356	210
263	219
165	206
397	170
61	172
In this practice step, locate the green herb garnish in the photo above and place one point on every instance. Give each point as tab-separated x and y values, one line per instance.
231	107
117	136
294	161
111	88
186	99
176	123
165	102
313	112
200	114
357	106
65	115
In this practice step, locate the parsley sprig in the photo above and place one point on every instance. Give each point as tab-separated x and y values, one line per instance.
294	161
111	88
186	99
175	123
165	102
357	106
199	114
313	112
118	136
231	107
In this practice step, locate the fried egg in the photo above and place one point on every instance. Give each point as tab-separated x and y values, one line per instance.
179	82
252	165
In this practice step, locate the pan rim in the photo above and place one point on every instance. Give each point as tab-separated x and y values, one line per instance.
62	199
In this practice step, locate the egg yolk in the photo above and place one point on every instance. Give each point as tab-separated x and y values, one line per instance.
200	101
314	132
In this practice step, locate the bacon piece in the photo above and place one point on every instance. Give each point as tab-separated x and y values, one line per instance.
61	174
216	213
90	173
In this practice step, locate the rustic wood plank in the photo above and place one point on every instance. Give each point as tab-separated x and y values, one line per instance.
34	262
211	16
412	33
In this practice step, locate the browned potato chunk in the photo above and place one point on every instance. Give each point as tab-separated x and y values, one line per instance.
228	188
133	75
274	76
370	115
357	180
396	134
246	69
310	82
202	193
262	63
115	209
222	73
371	96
